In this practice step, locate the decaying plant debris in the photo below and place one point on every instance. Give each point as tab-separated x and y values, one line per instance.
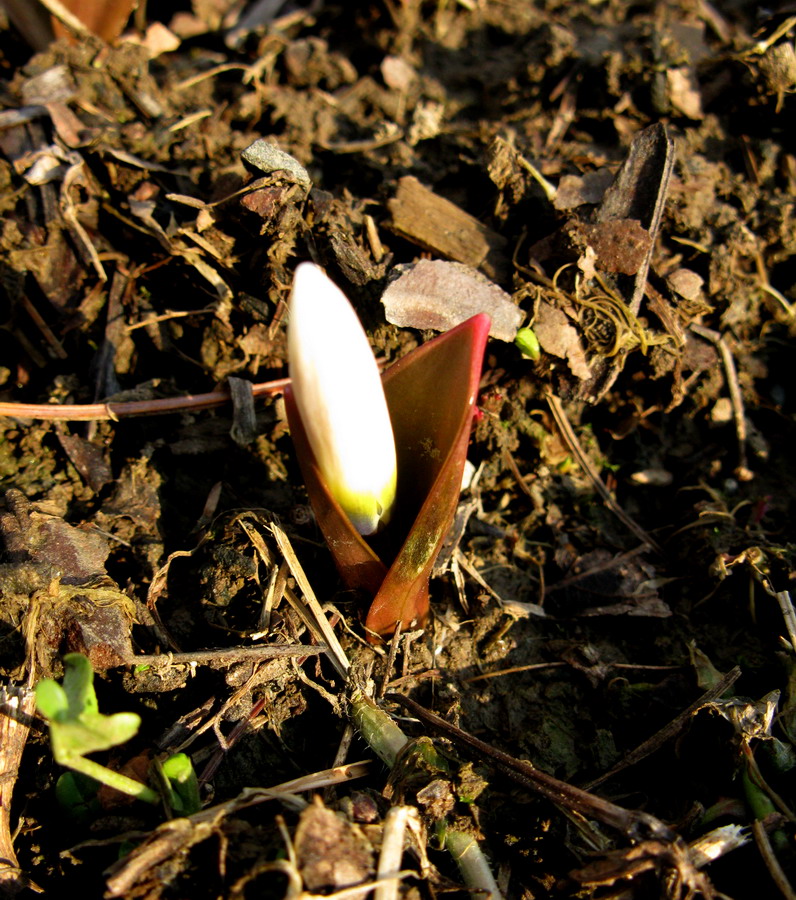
602	700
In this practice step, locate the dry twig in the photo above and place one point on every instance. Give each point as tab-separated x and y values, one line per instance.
569	436
742	472
112	411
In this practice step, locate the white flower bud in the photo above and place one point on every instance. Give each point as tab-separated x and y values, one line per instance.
338	392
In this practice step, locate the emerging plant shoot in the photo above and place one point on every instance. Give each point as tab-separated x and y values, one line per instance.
350	444
339	395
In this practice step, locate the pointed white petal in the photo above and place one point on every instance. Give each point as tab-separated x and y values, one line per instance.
339	396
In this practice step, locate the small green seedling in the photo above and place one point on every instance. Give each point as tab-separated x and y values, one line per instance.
77	794
527	343
183	784
77	728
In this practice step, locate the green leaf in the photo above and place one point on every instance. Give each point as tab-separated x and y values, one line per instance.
51	699
79	685
527	343
182	777
91	733
77	795
76	725
78	728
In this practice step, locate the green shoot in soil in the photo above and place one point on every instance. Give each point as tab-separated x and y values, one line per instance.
77	727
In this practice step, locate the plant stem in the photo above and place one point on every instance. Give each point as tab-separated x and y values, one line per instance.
382	734
473	866
114	780
387	740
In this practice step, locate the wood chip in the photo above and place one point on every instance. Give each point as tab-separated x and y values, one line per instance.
425	218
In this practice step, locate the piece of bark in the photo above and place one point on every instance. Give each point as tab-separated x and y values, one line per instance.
17	706
618	246
425	218
639	192
244	418
74	555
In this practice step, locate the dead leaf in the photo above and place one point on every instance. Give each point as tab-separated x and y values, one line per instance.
559	337
438	295
88	459
684	93
577	190
331	852
72	554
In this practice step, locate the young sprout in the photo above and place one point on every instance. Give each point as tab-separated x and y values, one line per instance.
527	343
340	399
77	728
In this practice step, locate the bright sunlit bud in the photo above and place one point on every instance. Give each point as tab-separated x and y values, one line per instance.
338	392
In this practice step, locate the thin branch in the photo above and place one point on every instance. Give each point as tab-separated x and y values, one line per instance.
635	824
671	730
569	436
113	411
771	861
227	655
736	399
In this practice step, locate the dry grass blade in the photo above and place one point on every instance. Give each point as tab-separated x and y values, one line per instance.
573	443
717	843
392	851
317	622
772	863
361	890
788	614
177	836
66	18
742	472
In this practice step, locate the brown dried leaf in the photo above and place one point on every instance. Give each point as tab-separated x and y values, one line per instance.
75	555
332	853
684	93
439	295
88	459
559	337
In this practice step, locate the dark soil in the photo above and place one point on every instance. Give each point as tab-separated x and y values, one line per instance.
627	537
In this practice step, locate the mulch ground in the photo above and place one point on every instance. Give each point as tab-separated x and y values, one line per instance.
613	604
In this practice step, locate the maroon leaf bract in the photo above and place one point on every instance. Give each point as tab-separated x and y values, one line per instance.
431	395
